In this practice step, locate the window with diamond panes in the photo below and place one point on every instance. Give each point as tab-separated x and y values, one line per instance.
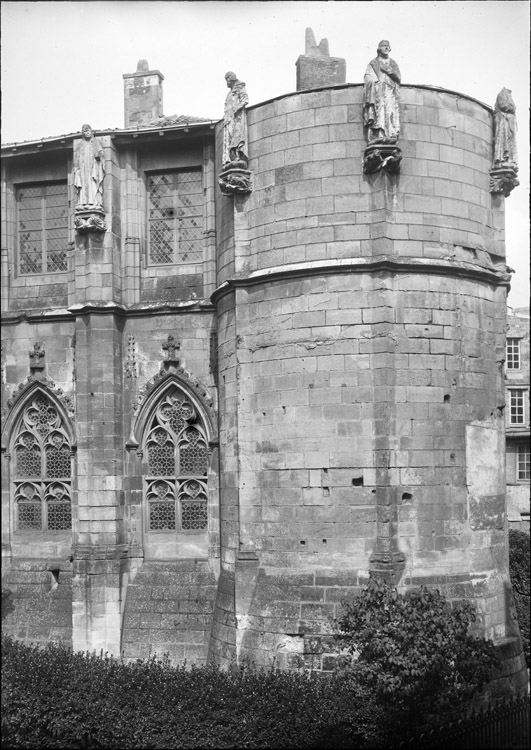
177	460
513	354
42	220
42	469
175	215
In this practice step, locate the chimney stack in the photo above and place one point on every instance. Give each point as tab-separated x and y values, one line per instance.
142	95
316	68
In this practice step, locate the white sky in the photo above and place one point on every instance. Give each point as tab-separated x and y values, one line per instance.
62	62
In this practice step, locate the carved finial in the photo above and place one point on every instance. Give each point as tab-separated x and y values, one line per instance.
142	66
36	357
170	347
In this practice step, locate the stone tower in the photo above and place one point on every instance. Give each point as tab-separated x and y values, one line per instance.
361	329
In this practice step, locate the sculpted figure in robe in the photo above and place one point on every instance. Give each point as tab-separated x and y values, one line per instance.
505	130
380	97
89	169
235	123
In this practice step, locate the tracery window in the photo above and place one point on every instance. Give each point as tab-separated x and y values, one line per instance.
42	469
177	460
175	215
42	218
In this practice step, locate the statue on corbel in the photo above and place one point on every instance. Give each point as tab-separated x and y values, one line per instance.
89	173
503	174
235	177
381	115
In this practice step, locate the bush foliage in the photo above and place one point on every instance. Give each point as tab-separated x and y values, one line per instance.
414	653
519	566
52	698
414	659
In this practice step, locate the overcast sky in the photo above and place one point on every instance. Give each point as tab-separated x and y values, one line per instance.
62	62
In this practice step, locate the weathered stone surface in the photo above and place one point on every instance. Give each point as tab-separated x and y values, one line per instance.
316	68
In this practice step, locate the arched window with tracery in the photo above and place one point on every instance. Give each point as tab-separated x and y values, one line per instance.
42	468
176	452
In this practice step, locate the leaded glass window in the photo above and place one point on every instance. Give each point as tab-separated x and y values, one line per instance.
177	461
42	469
42	217
175	213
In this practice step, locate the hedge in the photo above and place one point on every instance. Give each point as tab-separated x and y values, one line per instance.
53	698
519	566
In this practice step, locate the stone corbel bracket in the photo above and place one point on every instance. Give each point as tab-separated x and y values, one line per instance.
382	156
503	180
89	219
236	181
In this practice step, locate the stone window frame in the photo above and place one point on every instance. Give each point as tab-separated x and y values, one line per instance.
177	484
513	354
179	257
153	392
46	253
523	462
517	415
10	433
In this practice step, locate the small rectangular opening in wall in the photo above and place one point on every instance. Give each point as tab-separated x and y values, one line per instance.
302	542
54	583
357	481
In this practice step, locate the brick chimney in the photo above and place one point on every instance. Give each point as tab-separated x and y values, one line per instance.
142	95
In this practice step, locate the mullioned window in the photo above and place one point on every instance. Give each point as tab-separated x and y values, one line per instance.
177	462
42	470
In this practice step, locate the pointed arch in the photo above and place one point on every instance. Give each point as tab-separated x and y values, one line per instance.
195	392
173	434
38	437
24	392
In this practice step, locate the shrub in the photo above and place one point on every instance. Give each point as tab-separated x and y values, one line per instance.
52	698
414	652
519	566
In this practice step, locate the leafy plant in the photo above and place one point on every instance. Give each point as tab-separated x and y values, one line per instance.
53	698
413	651
519	567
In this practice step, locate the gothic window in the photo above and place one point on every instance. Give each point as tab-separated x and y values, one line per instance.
177	459
42	221
175	217
42	469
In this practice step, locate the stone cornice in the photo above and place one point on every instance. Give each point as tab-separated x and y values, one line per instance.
107	308
364	265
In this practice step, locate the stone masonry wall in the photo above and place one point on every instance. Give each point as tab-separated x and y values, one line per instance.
368	327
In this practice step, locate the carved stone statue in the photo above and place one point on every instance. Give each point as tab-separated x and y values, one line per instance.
235	177
503	174
381	116
89	169
235	122
505	130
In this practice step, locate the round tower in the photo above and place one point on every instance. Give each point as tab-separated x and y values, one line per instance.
361	340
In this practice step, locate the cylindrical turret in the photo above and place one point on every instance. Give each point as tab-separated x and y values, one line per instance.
361	331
